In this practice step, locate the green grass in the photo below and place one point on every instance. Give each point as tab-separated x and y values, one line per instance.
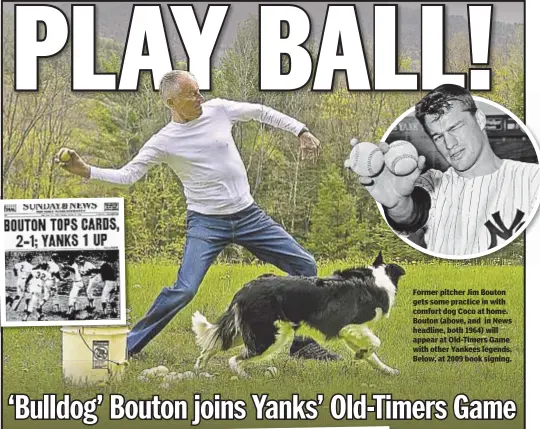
32	356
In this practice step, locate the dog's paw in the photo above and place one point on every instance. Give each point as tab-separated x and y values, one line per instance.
271	372
392	371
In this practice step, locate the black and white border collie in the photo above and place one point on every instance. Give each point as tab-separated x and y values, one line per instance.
266	312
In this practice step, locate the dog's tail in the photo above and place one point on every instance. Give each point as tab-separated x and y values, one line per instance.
206	334
220	336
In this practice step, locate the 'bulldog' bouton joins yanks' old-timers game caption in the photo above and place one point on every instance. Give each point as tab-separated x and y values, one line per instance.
266	312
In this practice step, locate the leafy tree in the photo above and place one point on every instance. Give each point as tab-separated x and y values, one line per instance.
334	228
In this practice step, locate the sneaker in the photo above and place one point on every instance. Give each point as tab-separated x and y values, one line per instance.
307	348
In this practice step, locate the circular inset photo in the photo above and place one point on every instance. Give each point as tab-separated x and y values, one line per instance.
461	175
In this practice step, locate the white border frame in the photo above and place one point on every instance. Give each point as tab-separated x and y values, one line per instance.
502	245
532	240
121	321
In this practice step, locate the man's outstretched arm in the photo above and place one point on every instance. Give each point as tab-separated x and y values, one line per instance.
406	199
241	112
413	215
148	156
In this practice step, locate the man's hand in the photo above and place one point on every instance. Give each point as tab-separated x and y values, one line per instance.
309	146
392	191
70	161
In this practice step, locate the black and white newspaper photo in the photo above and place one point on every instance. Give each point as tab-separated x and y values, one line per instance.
63	262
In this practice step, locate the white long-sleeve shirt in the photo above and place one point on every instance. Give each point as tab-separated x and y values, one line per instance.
203	155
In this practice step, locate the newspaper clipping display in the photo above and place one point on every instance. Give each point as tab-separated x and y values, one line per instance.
63	257
259	215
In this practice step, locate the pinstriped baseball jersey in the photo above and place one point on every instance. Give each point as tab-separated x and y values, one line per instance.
470	216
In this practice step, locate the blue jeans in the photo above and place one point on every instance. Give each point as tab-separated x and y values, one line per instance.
207	236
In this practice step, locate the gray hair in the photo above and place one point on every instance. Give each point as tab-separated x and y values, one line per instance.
171	83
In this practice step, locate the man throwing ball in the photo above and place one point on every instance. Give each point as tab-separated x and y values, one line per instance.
477	204
198	145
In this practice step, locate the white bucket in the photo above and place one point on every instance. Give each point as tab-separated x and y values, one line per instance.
93	354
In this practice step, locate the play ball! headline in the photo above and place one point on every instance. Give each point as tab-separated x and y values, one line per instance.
285	62
340	407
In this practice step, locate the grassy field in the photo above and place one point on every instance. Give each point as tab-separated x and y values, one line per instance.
32	356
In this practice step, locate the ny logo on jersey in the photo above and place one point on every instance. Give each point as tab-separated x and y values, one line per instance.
501	230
